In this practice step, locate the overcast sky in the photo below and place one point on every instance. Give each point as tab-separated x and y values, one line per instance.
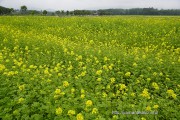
90	4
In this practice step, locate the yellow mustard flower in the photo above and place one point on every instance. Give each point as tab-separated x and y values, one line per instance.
156	106
155	86
57	91
21	100
122	86
79	116
99	79
134	64
145	93
82	91
143	118
99	72
148	108
104	95
65	83
112	80
132	94
94	111
21	87
71	112
89	103
83	73
82	96
72	90
128	74
59	111
2	67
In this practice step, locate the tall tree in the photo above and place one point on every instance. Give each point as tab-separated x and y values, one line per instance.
67	12
23	9
44	12
58	13
62	12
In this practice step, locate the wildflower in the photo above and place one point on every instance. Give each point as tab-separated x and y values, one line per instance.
155	73
174	96
168	79
2	67
21	87
148	79
32	67
112	80
82	96
143	118
145	93
65	50
134	64
46	72
122	86
115	117
26	48
108	87
65	83
72	90
99	72
89	103
171	93
105	67
72	53
132	94
79	57
70	68
58	91
104	94
144	56
58	111
71	112
15	112
161	74
156	106
105	59
99	79
59	74
21	100
83	73
49	80
82	91
79	117
127	74
94	111
110	67
148	108
155	86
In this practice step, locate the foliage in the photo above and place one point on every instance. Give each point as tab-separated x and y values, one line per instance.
45	12
4	10
23	8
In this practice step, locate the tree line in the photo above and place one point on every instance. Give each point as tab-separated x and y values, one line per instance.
134	11
139	11
4	10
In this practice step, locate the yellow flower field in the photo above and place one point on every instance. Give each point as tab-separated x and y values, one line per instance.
86	68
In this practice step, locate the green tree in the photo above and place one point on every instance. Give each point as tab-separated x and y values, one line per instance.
58	13
23	8
33	12
67	12
62	12
44	12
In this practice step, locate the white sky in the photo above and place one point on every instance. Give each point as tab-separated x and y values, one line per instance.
90	4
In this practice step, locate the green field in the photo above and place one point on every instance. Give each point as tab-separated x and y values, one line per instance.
120	67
